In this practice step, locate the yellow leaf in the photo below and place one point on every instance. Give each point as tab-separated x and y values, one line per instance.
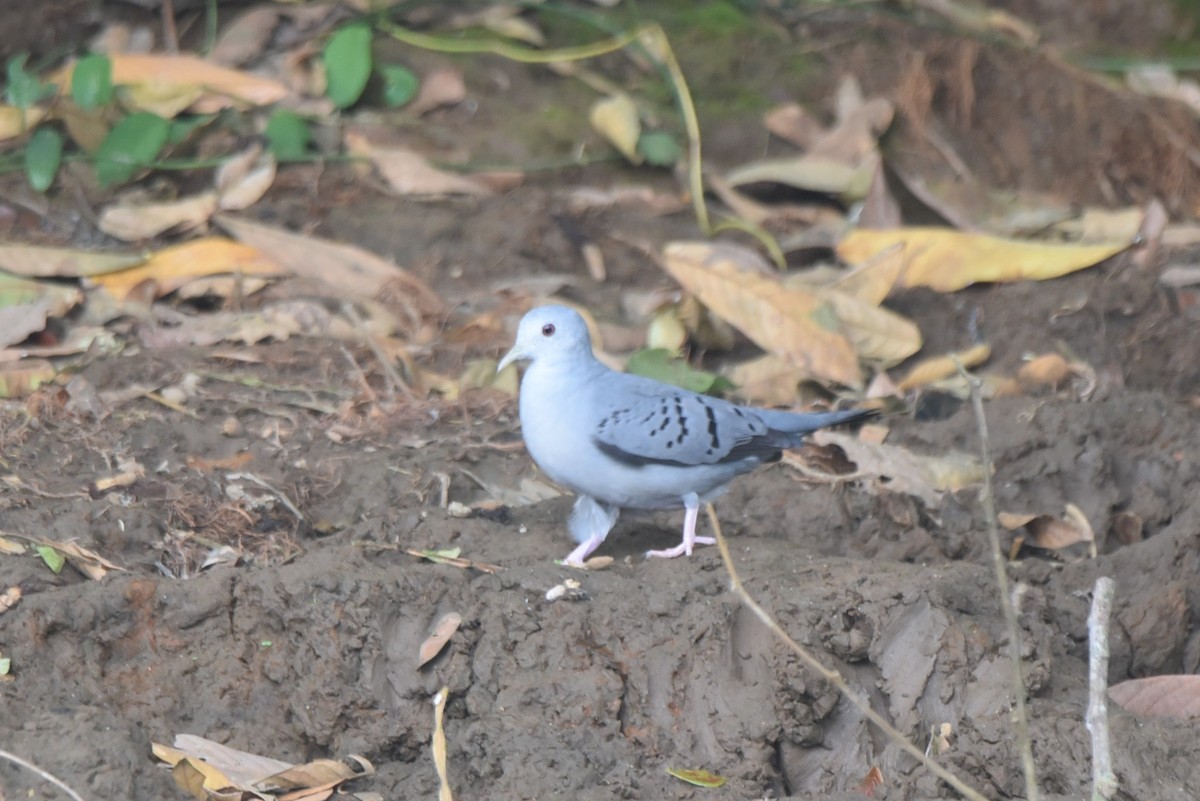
947	260
175	266
700	778
202	780
616	118
876	333
221	86
15	121
791	322
438	745
935	369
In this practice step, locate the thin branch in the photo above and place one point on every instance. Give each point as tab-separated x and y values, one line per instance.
830	675
1104	781
59	783
987	500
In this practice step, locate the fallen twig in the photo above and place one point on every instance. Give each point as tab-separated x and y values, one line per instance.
1104	781
59	783
830	675
1024	741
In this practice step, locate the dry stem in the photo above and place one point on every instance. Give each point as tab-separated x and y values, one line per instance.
830	675
1104	781
1024	741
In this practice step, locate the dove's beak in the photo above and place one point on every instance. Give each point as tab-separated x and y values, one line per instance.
513	355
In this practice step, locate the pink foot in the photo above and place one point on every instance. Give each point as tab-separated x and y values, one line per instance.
690	540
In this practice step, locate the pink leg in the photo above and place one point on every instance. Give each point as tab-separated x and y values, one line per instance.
690	540
577	556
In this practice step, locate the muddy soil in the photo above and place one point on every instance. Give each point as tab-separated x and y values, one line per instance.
306	647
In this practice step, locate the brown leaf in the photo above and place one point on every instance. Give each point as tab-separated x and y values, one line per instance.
901	470
320	773
1047	371
441	87
435	642
794	324
408	173
792	123
18	379
244	179
438	744
873	779
137	221
348	271
1159	696
1051	533
241	768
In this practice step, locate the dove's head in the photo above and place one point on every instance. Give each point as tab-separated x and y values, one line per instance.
549	332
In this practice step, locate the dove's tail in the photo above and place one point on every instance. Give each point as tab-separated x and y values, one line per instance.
797	425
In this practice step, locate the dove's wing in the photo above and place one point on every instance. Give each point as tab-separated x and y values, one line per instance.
641	421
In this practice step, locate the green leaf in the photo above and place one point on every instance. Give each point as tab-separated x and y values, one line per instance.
43	155
348	63
23	89
53	559
400	85
287	135
659	149
182	127
5	665
132	143
91	82
657	363
442	556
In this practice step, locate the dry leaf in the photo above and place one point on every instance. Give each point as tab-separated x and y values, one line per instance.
1159	696
1048	532
244	179
175	266
136	221
700	778
873	779
317	774
735	283
438	745
18	122
810	173
32	261
214	87
409	174
933	369
792	123
768	380
876	333
348	271
18	379
616	118
435	642
441	87
947	260
901	470
1049	370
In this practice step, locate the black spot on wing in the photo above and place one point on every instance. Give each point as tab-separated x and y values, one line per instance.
632	459
713	438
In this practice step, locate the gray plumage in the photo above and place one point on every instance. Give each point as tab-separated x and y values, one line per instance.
624	441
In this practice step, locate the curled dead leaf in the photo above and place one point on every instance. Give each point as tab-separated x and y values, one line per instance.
936	368
435	642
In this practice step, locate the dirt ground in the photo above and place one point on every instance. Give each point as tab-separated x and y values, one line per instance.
307	647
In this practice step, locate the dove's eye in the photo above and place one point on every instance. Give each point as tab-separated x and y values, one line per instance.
548	330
